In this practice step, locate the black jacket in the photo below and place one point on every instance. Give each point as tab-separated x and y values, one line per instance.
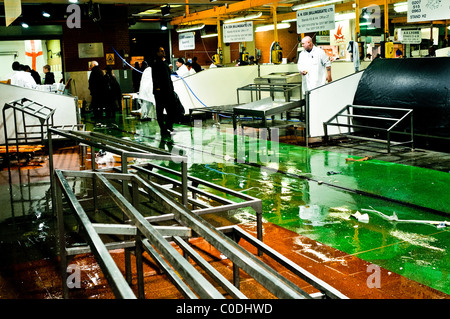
49	78
162	83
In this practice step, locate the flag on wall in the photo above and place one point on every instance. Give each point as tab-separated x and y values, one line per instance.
33	50
13	9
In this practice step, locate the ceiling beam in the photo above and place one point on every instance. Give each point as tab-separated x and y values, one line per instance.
222	10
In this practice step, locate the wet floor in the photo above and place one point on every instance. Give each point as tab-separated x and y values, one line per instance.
311	192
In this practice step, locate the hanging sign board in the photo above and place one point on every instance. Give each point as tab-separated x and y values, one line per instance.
186	41
315	19
427	10
238	32
13	9
410	36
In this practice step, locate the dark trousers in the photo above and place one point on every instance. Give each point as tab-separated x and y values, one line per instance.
165	121
96	106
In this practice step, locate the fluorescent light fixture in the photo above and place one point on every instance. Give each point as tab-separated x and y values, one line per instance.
24	25
344	16
269	27
401	7
313	4
244	18
163	25
148	12
211	35
289	20
192	27
73	1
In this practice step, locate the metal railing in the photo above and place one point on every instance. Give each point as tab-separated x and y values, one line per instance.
379	123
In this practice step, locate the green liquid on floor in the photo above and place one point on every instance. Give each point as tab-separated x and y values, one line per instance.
314	192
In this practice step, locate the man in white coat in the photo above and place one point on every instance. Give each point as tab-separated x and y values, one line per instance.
182	68
22	78
314	66
146	97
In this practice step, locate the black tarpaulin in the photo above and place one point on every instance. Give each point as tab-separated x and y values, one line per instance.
421	84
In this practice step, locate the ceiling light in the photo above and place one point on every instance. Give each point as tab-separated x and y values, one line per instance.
163	25
289	20
148	12
211	35
269	27
314	4
244	18
45	14
401	7
192	27
24	25
73	1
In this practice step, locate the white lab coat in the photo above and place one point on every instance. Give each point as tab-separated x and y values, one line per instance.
315	62
183	70
147	99
24	79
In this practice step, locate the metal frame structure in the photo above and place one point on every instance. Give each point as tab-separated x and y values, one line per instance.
264	108
182	184
155	241
42	113
285	88
197	187
259	108
347	113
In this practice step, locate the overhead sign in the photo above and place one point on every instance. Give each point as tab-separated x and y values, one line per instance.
315	19
426	10
238	32
186	41
13	9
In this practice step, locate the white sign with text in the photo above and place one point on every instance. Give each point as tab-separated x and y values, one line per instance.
186	41
427	10
315	19
238	32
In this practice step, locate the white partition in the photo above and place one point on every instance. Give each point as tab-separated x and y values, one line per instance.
325	101
217	86
66	108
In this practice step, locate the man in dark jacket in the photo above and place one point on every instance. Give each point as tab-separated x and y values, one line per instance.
49	76
164	93
113	93
96	86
